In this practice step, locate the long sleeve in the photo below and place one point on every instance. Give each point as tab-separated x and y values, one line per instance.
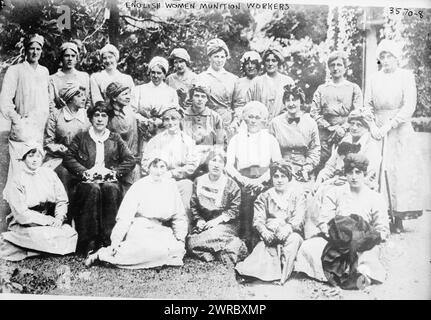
70	159
316	110
329	208
233	202
239	99
22	214
297	218
179	219
7	95
330	168
61	199
231	158
260	214
379	216
194	205
409	100
50	128
127	160
368	97
357	100
192	161
219	131
313	152
96	94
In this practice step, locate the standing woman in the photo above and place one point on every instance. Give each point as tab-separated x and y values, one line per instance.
100	159
215	207
38	203
249	154
250	67
154	97
24	100
391	96
99	81
268	88
125	122
220	82
69	54
332	103
63	125
183	78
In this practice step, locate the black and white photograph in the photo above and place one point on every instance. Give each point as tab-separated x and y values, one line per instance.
215	150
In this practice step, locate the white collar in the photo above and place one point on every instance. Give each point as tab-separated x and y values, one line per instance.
98	139
79	115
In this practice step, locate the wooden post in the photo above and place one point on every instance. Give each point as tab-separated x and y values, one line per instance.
113	22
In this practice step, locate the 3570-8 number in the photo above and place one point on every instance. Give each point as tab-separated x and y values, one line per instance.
406	12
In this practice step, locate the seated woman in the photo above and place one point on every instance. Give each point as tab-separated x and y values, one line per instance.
178	149
151	224
357	140
62	126
249	154
39	206
297	134
100	159
278	217
201	123
215	209
353	198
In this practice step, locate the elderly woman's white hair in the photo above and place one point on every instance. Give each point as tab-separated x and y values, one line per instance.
255	106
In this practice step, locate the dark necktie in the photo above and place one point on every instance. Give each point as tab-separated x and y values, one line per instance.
290	120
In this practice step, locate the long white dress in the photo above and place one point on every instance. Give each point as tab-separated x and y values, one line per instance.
141	235
392	98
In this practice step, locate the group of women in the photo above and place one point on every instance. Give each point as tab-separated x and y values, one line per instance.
210	165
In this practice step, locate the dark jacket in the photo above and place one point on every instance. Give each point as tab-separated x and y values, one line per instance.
81	155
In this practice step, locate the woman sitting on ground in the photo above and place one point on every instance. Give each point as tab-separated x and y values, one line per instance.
151	224
353	198
215	212
278	218
39	207
100	160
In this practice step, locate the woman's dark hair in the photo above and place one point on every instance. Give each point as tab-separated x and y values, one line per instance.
296	92
215	153
198	88
156	161
282	166
100	106
345	148
29	152
255	62
354	160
